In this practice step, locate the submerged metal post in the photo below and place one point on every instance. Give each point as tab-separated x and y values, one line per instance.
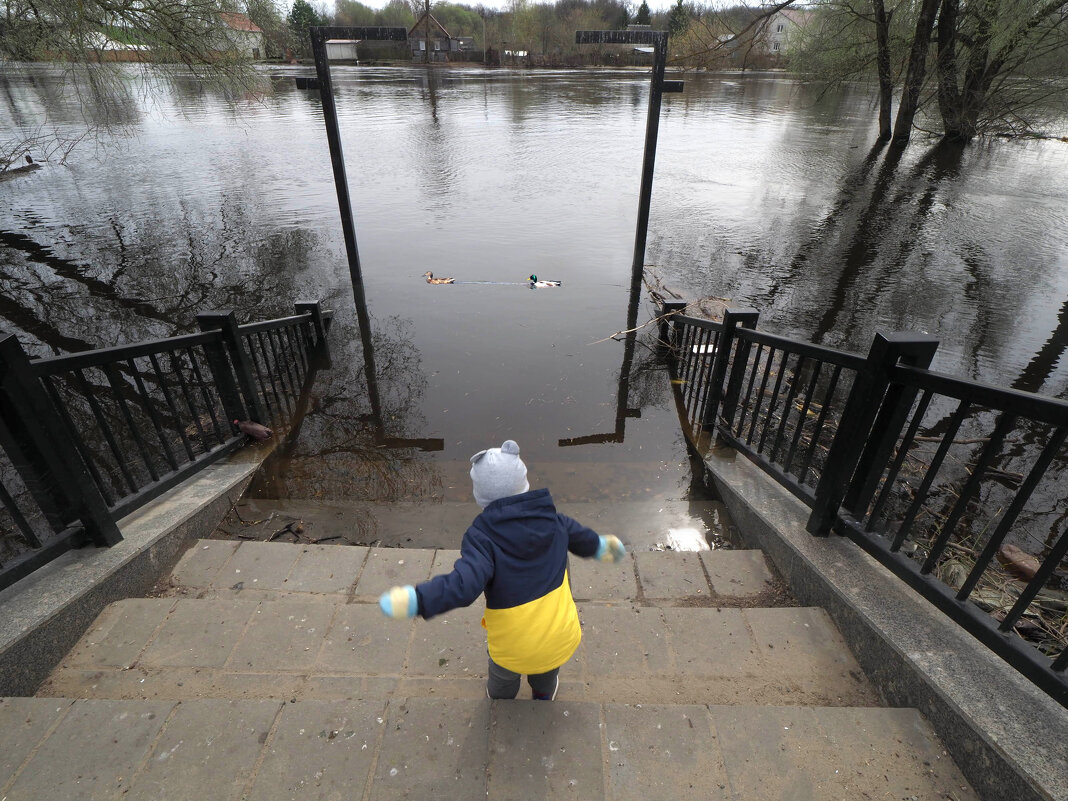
319	38
657	87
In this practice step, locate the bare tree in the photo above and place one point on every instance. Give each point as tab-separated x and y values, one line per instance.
993	65
90	38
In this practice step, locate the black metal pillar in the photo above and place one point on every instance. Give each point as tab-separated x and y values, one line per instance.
319	37
657	87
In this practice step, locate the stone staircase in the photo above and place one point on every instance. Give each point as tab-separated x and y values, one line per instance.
264	670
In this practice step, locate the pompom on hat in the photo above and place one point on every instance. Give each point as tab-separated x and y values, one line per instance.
498	473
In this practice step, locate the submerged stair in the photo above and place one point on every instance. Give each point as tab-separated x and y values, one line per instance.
266	671
662	523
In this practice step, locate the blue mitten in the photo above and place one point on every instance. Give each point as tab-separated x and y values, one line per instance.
399	602
610	549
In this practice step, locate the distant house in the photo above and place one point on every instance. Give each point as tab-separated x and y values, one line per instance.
440	44
243	34
781	25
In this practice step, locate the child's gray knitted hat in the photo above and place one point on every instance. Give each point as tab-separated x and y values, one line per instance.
498	473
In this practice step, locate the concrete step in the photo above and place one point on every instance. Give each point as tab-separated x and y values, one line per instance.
271	570
178	648
422	748
642	525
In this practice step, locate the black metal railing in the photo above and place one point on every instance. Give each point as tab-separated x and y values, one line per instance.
89	437
933	475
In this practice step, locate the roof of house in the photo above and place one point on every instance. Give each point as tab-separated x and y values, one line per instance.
420	27
239	22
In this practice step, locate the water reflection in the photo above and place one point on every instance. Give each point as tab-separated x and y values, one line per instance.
765	191
355	441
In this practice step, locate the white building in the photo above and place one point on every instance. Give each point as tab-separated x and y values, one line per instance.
244	34
780	27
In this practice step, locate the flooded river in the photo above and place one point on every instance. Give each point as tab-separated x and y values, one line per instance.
767	192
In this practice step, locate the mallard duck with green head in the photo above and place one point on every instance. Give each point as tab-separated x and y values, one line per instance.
536	282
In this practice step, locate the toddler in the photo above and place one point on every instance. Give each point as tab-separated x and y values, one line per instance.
515	552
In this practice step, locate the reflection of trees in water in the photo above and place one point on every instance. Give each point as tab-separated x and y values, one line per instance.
340	453
131	283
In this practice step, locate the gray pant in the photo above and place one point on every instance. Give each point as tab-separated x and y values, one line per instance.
504	683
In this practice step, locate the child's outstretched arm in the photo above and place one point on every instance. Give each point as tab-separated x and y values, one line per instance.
461	587
586	542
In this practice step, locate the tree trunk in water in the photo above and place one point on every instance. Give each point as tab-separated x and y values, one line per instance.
917	71
949	102
886	85
426	55
978	75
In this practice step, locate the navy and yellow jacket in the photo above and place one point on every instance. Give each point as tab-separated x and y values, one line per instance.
516	553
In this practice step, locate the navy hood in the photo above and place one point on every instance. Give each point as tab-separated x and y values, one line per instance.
522	525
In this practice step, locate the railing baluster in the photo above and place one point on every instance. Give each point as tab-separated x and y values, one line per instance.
146	402
295	333
177	368
783	364
749	389
284	378
261	385
787	406
298	356
105	429
76	438
686	354
936	463
802	417
1041	578
971	486
291	359
708	362
171	406
21	523
208	404
271	369
1005	524
697	355
817	432
709	390
115	380
899	460
760	394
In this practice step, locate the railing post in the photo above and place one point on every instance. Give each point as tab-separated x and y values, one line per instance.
731	319
851	441
35	439
747	318
315	308
915	351
235	384
668	310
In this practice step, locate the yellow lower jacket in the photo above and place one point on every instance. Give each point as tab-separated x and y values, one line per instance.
537	636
